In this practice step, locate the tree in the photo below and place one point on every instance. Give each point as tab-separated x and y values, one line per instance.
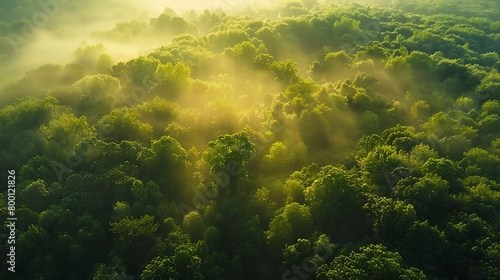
423	67
105	272
294	9
489	125
294	254
297	217
466	235
87	232
183	264
73	72
304	256
373	261
143	70
56	220
229	154
166	161
285	71
346	26
331	63
212	237
428	194
487	269
369	121
366	144
446	169
158	112
315	130
24	114
147	193
279	234
104	63
391	218
35	195
67	130
172	78
423	246
336	202
124	124
172	25
244	52
269	37
108	169
134	238
458	76
420	110
39	167
27	217
33	243
91	57
99	93
264	205
490	86
379	164
490	107
193	225
477	161
279	158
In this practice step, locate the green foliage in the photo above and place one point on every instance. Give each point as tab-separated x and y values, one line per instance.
420	110
379	162
358	141
480	161
280	158
123	124
423	246
391	218
134	238
172	78
98	94
294	222
285	71
371	262
336	202
184	264
35	195
165	160
93	59
143	70
26	113
229	153
193	225
425	194
68	130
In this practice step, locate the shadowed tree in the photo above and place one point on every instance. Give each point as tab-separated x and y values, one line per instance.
165	162
134	238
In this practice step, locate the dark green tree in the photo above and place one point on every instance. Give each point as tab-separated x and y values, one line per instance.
229	154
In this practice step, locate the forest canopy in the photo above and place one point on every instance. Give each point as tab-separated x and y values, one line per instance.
251	140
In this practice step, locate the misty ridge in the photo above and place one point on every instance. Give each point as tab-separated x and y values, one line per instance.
232	139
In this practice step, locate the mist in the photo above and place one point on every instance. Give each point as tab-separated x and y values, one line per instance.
232	139
55	29
65	29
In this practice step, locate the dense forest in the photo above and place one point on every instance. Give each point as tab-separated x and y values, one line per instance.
294	140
